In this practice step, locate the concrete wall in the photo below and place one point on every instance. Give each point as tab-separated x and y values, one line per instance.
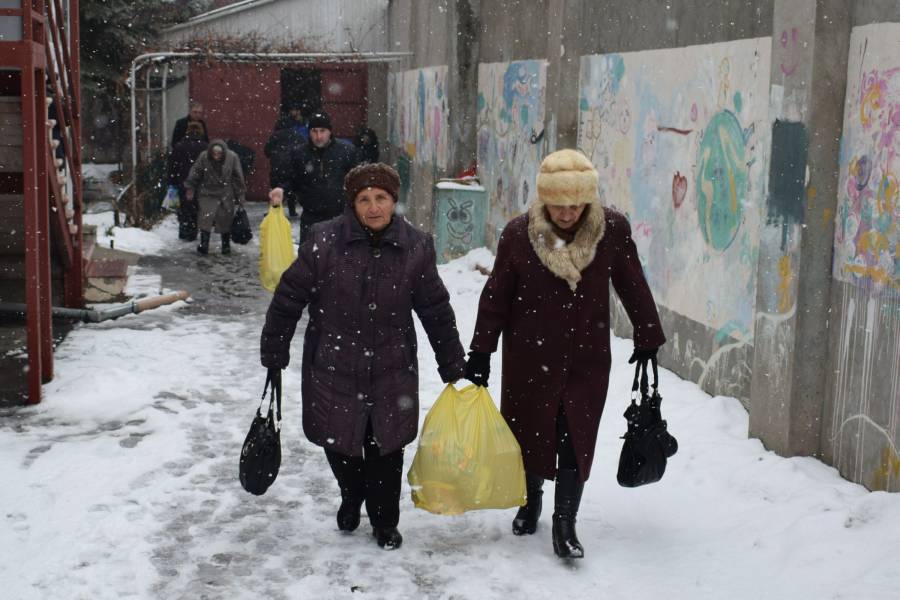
438	80
680	138
418	136
862	410
718	128
510	137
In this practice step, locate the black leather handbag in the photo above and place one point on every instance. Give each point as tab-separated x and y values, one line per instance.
241	233
648	443
261	452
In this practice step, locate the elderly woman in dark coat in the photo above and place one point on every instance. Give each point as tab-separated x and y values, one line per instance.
548	295
362	275
216	181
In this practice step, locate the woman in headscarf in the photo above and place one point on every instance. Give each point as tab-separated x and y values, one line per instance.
217	181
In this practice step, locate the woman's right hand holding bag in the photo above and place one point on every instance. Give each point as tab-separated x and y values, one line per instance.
478	368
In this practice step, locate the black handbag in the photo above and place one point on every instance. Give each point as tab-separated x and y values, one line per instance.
240	227
648	443
261	452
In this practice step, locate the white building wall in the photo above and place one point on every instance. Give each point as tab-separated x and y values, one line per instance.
322	25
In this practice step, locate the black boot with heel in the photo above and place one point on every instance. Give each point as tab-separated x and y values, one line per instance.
387	537
568	499
226	243
526	519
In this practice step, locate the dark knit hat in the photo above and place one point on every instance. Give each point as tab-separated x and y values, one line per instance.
320	120
368	175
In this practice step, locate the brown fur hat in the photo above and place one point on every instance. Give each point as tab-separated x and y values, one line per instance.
369	175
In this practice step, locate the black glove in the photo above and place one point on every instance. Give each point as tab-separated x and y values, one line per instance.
478	368
274	374
642	355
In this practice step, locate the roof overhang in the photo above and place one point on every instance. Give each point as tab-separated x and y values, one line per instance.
218	13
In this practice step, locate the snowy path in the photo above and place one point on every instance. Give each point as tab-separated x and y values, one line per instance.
122	484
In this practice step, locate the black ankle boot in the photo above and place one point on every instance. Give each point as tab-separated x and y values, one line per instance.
203	248
226	243
387	537
568	498
526	519
348	514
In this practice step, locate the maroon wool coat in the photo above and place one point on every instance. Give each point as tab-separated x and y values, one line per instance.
359	350
556	341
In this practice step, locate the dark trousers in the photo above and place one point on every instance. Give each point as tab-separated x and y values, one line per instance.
372	477
305	229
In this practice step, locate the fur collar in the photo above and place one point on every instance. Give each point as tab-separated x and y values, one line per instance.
566	261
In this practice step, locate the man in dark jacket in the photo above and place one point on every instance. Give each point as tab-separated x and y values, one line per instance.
548	295
195	115
362	275
284	142
315	173
180	162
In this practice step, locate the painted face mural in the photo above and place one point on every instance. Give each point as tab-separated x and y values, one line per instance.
721	180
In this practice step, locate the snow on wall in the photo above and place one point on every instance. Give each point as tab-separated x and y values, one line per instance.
511	98
680	138
862	417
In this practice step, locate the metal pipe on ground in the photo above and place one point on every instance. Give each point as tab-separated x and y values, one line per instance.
89	315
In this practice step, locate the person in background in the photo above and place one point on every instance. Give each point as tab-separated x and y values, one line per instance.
361	276
548	294
181	159
195	115
217	182
284	141
315	172
298	120
366	142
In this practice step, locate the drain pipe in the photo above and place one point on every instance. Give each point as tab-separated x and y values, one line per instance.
89	315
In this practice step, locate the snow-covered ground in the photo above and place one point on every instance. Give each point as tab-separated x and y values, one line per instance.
123	482
133	239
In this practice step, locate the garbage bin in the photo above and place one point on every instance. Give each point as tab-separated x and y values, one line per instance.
459	219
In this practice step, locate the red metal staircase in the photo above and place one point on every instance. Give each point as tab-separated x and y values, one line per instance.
41	249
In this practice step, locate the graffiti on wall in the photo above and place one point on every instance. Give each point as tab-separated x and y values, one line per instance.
867	230
680	138
417	120
864	426
510	136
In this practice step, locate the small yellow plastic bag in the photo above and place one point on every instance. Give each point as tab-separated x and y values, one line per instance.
276	248
468	459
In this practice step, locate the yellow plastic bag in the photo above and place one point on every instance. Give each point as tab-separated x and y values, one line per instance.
468	459
276	249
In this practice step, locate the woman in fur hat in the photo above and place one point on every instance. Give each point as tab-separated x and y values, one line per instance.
549	297
362	275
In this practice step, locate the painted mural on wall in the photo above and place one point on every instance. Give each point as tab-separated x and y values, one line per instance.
510	136
864	426
867	229
417	119
680	138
